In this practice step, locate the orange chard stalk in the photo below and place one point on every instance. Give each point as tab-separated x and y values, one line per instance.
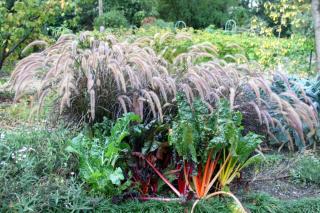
202	180
205	175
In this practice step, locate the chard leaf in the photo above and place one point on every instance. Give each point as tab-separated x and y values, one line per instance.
116	176
253	160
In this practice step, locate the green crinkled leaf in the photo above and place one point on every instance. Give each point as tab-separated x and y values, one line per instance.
246	146
118	132
195	133
185	132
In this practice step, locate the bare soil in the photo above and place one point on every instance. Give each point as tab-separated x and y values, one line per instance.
275	179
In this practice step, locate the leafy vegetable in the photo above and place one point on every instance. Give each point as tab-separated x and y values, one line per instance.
99	158
211	145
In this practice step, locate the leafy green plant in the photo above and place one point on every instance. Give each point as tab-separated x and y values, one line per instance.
306	170
261	202
113	18
99	158
134	11
239	156
196	14
21	22
211	146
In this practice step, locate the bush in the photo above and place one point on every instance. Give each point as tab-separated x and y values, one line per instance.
135	10
19	26
163	24
240	14
139	17
307	170
113	18
268	52
198	14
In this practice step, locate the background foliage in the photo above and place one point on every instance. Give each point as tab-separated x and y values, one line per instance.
197	14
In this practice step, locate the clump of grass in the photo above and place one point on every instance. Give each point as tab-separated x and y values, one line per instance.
92	78
262	202
6	95
306	205
271	159
307	170
18	111
34	169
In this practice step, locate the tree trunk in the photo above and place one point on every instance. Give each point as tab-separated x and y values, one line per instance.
101	13
315	4
3	54
100	7
1	65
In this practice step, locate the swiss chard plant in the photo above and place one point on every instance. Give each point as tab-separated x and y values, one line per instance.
100	157
211	147
128	153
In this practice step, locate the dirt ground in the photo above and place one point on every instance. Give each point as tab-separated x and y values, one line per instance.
274	178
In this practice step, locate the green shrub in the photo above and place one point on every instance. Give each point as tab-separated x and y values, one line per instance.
307	170
138	17
22	22
240	14
272	159
198	14
113	18
158	24
268	52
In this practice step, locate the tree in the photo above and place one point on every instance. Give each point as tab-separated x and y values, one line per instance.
21	22
315	4
197	13
136	10
284	17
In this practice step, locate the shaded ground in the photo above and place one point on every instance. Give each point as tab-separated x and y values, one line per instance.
284	189
275	177
5	98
